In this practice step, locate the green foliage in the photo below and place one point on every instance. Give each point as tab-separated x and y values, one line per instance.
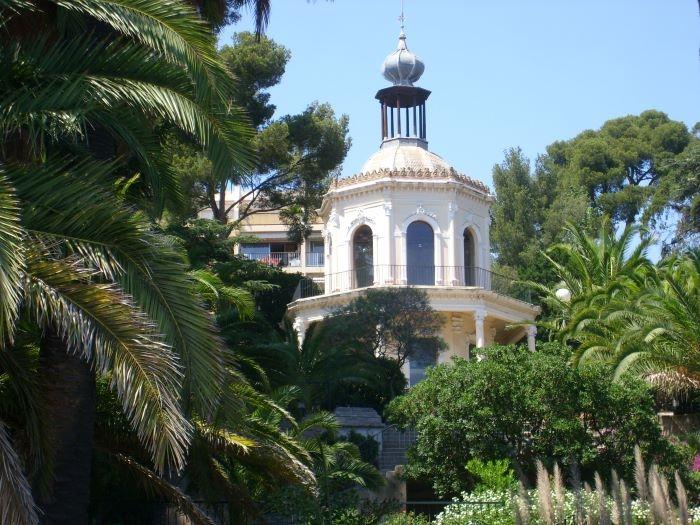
296	154
401	518
492	475
396	322
258	63
525	406
367	446
339	471
632	168
625	311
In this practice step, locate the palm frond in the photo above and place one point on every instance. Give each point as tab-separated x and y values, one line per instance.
155	484
215	292
11	259
221	439
170	28
100	323
18	363
80	215
17	506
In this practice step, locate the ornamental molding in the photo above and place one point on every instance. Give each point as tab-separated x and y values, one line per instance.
361	218
413	173
420	210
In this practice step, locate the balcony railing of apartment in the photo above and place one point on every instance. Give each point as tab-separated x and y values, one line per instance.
276	258
314	259
443	276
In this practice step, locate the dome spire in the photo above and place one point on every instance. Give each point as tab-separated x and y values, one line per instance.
402	68
403	104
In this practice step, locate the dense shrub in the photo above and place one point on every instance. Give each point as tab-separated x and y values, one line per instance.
526	406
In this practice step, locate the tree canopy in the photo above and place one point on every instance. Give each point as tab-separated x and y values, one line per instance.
638	168
524	406
296	155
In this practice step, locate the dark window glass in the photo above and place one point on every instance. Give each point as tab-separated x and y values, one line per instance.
420	253
469	259
362	257
418	364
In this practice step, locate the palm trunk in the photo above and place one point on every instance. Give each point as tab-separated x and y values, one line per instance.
68	387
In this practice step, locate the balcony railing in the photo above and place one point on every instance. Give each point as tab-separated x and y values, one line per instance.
276	258
386	275
314	259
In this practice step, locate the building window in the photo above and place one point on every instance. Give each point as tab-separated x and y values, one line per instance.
420	253
418	364
362	257
469	258
314	253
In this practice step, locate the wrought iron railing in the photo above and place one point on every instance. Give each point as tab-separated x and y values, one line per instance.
408	275
314	259
276	258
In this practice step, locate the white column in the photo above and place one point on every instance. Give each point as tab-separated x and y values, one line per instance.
327	260
389	276
531	332
452	248
376	260
479	317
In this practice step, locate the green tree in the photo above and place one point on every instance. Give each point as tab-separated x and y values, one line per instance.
110	294
654	334
593	271
525	406
258	64
634	168
296	154
622	163
395	323
678	195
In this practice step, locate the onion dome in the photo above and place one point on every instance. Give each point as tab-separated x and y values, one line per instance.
402	68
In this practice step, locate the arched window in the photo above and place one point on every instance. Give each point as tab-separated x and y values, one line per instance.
420	253
470	269
362	257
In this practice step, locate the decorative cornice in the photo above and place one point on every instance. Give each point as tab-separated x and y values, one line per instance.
413	173
484	300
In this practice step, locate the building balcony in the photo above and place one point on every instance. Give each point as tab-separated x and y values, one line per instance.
285	259
401	275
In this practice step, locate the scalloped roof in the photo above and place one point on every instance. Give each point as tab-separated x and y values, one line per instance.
437	174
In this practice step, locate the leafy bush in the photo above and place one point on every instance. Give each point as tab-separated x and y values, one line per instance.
492	475
526	406
404	518
551	503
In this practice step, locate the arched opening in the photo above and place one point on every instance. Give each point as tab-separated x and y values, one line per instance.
362	257
420	253
469	258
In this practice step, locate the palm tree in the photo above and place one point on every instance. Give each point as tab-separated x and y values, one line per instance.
592	271
658	334
316	367
111	295
622	310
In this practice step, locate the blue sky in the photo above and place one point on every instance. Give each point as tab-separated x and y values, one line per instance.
502	73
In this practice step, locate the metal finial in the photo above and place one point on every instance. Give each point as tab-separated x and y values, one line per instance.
402	18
